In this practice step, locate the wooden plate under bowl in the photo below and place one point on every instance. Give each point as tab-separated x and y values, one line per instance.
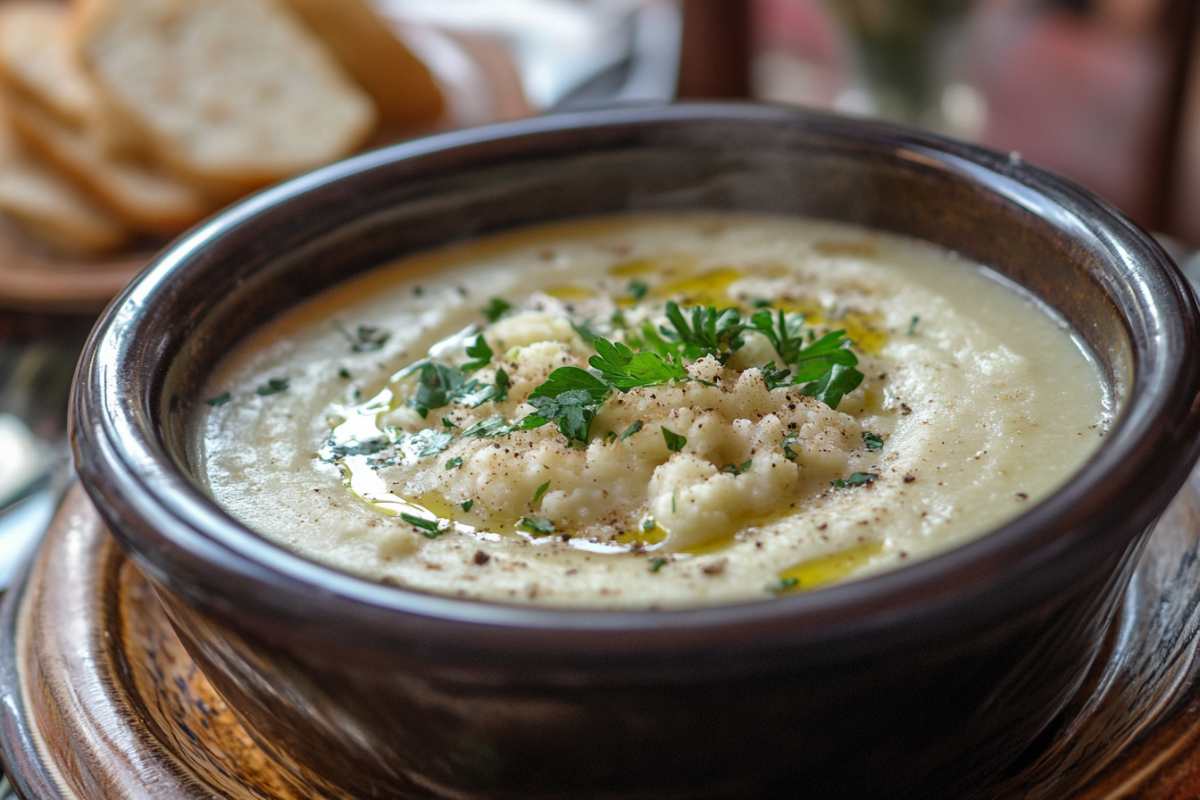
98	699
480	83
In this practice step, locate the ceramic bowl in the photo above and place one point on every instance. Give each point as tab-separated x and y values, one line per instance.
927	681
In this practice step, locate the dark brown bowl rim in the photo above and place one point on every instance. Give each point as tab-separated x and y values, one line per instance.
1118	493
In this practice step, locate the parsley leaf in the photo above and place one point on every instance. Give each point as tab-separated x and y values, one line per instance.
496	308
365	338
633	428
674	441
448	423
272	386
788	452
466	505
219	400
912	325
816	360
489	428
565	379
538	526
784	585
430	528
657	563
428	442
437	384
737	469
539	492
711	332
344	374
454	463
782	331
855	479
873	441
638	289
572	411
625	370
835	384
775	377
480	353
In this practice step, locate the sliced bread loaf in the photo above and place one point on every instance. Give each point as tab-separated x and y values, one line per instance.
232	94
144	198
366	44
49	207
38	62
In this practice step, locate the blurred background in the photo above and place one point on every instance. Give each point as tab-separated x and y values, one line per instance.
1106	92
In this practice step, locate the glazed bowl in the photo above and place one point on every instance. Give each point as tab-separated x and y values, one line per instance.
927	681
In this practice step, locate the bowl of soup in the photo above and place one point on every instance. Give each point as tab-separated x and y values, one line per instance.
703	450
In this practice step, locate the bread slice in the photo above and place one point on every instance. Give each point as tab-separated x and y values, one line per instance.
403	88
49	207
142	197
232	94
38	62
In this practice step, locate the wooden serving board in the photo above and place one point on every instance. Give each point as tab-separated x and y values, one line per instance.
481	85
98	699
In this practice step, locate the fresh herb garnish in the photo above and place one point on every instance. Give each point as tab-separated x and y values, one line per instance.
873	441
711	332
624	370
489	428
430	528
496	308
638	289
737	469
539	493
610	437
448	423
454	463
365	338
437	383
584	329
855	479
501	386
467	504
674	441
657	563
912	325
784	584
834	385
538	526
344	374
219	400
648	524
272	386
788	452
480	353
570	398
633	428
775	377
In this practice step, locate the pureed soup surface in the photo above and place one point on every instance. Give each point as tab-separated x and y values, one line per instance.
650	412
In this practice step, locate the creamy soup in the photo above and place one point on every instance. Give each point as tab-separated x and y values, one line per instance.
650	412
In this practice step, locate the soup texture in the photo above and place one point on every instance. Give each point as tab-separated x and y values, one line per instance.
649	412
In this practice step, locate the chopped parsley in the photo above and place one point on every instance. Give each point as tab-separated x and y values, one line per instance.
489	428
873	441
912	325
788	452
454	463
467	504
784	585
538	526
428	442
711	332
638	289
834	385
430	528
480	353
539	493
737	469
633	428
448	423
344	374
365	338
648	524
437	384
610	437
825	366
674	441
569	398
219	400
355	448
657	563
855	479
272	386
775	377
623	369
496	308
